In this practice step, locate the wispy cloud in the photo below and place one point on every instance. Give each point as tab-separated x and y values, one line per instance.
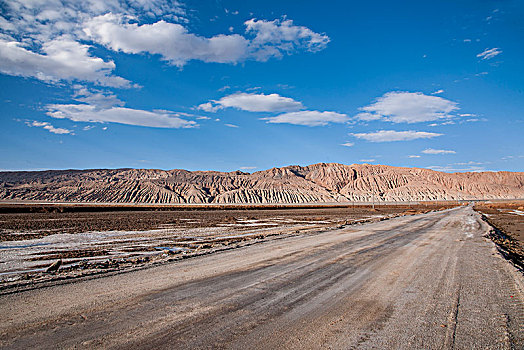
348	144
102	99
451	168
489	53
407	107
47	126
121	115
438	151
392	135
231	125
413	156
253	102
308	118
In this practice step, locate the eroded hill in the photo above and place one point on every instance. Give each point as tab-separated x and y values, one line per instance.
293	184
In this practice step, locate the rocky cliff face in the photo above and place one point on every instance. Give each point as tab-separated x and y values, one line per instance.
292	184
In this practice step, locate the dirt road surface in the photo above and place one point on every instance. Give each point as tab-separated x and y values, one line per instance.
428	281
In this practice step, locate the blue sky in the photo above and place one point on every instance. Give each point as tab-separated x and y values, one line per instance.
226	85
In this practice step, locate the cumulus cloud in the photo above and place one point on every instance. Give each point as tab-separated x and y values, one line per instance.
253	103
308	118
171	41
209	107
42	39
42	21
275	38
47	126
93	114
52	40
392	135
174	43
489	53
438	151
274	103
407	107
61	59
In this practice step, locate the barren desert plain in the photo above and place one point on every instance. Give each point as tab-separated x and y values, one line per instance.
263	174
417	274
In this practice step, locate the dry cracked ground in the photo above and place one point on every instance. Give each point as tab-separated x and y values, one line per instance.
425	281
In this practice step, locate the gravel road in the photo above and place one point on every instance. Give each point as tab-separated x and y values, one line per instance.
428	281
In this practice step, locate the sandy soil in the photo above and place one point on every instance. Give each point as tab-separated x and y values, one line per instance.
429	281
508	220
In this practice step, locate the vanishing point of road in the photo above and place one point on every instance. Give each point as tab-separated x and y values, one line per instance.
430	281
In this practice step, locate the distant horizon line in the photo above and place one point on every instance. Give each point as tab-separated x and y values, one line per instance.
251	171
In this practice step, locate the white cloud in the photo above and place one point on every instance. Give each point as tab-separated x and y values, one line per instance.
41	21
407	107
368	117
275	38
47	126
437	92
93	114
231	125
489	53
102	99
472	120
438	151
470	163
247	167
308	118
452	168
392	135
51	40
171	41
175	44
42	39
61	59
348	144
253	103
209	107
413	156
371	160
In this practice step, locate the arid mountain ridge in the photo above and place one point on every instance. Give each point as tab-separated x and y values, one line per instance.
292	184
